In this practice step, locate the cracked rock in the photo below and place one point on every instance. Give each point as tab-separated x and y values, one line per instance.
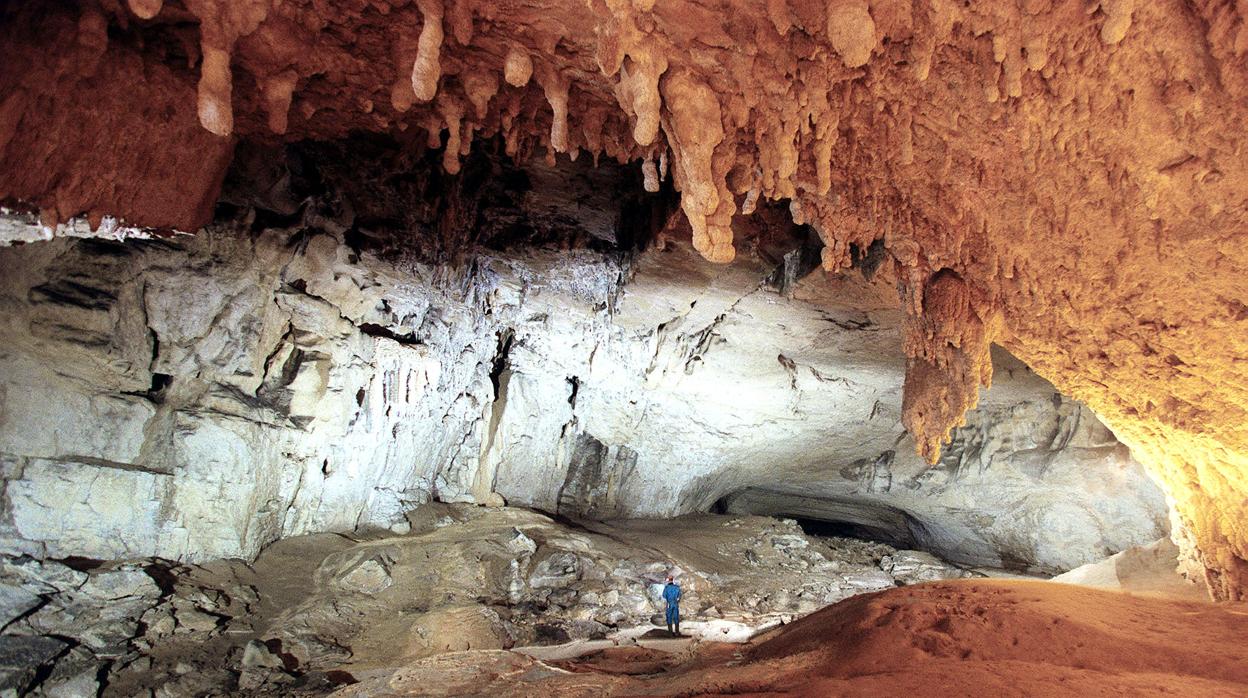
21	658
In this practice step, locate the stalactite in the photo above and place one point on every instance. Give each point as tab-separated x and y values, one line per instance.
480	88
460	20
216	91
452	111
222	23
640	78
518	67
278	90
556	85
851	32
694	133
145	9
427	69
650	174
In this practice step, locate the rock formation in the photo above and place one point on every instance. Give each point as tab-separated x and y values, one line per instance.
1147	568
1056	177
199	397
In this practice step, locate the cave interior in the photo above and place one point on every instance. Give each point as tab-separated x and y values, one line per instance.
381	346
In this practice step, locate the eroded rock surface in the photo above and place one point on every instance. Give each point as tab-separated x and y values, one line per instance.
200	397
1031	482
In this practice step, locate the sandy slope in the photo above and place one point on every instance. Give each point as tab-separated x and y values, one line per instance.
1009	637
981	637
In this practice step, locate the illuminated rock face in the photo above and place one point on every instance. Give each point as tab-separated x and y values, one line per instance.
200	397
1058	177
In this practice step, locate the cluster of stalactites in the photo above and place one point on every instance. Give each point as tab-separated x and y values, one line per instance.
948	327
677	123
947	343
719	148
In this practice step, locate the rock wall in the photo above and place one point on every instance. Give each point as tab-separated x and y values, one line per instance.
199	397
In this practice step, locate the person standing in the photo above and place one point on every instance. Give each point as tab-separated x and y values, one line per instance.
671	594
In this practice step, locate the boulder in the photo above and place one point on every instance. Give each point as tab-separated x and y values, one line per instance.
16	601
372	576
21	658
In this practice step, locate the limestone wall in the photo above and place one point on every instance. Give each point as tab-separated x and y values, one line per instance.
200	397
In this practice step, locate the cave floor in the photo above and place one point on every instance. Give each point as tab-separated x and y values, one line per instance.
459	598
315	612
950	638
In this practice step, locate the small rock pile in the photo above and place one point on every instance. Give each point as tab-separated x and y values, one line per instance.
66	626
139	628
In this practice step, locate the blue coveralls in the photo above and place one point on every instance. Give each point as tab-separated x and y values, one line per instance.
671	594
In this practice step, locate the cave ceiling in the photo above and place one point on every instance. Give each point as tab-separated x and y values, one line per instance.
1062	178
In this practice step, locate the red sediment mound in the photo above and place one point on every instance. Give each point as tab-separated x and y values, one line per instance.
998	638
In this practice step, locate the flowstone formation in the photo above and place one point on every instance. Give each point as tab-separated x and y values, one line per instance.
1058	177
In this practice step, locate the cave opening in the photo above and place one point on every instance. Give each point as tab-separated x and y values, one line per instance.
833	517
850	529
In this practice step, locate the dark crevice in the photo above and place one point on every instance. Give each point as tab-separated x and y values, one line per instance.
907	536
867	261
339	677
156	390
81	564
73	294
101	676
797	263
289	369
374	330
845	529
505	339
163	575
389	194
97	247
